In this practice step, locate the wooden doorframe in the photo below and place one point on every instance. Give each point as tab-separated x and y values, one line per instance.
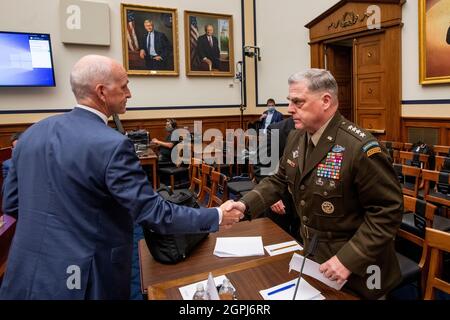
334	25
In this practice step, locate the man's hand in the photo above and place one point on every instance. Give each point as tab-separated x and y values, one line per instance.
154	140
263	116
232	212
334	270
157	58
278	207
142	54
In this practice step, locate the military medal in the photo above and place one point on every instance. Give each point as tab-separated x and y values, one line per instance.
332	166
295	154
332	184
327	207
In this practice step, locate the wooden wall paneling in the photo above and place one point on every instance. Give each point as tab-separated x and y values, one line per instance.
156	126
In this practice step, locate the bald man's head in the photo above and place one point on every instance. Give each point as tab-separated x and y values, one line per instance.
96	80
88	72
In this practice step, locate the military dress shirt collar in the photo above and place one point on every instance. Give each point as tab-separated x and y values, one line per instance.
316	136
95	111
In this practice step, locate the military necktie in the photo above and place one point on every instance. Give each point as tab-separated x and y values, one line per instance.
309	147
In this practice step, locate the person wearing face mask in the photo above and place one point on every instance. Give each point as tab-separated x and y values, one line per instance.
165	147
271	115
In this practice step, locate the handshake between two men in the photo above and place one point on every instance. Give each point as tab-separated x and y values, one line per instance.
232	212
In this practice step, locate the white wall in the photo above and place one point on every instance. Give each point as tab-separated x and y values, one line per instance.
412	90
284	46
42	16
283	39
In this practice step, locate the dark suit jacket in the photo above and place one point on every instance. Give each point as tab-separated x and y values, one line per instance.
206	51
162	45
79	187
5	167
276	117
285	126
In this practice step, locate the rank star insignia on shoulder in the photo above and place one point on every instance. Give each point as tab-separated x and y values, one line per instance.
356	131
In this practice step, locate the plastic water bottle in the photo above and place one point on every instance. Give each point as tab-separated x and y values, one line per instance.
200	293
226	291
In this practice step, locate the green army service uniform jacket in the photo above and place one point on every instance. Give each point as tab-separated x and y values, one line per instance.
348	195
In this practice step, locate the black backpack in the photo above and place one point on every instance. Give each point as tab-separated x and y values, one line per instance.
420	147
169	248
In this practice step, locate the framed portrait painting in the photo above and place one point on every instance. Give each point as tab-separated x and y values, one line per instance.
434	41
209	44
149	40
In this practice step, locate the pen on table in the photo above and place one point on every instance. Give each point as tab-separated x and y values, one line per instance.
291	245
282	289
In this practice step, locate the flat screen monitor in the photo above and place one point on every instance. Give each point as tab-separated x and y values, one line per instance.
26	60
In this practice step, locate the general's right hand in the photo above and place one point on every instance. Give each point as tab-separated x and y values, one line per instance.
278	207
232	212
142	54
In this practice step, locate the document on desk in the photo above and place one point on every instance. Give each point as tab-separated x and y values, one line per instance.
239	247
311	269
285	291
283	247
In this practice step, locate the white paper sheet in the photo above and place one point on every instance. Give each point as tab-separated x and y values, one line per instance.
311	269
285	291
239	247
280	248
187	292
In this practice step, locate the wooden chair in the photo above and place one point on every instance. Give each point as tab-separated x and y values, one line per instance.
439	162
411	157
441	150
435	183
403	172
431	193
177	169
423	215
407	146
196	177
393	149
205	193
437	242
219	192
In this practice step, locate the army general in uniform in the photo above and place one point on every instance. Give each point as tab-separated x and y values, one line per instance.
344	189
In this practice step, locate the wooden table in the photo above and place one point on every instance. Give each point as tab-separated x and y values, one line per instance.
247	274
6	235
149	157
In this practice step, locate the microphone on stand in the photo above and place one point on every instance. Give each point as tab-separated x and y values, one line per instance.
309	253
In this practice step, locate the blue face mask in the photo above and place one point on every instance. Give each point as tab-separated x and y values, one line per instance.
271	109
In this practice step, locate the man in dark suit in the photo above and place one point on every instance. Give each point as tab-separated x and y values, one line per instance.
79	187
208	48
283	211
7	163
271	115
155	48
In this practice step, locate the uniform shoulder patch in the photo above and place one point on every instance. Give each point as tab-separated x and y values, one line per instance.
371	148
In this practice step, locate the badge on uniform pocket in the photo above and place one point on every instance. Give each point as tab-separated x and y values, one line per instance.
327	207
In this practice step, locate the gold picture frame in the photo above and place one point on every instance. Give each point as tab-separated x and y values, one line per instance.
434	41
149	40
210	55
